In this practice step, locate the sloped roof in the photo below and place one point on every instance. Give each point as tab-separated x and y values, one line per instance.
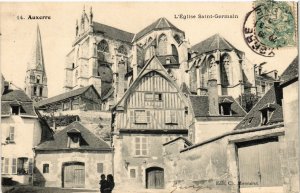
291	72
17	97
163	59
88	140
63	96
161	23
37	58
113	32
253	118
200	106
179	138
215	42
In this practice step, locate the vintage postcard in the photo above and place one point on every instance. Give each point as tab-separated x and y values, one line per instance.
142	97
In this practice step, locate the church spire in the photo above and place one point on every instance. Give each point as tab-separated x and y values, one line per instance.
36	79
37	58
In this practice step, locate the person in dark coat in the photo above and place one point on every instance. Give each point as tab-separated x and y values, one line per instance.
110	184
103	183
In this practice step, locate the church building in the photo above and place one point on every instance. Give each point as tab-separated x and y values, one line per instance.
36	78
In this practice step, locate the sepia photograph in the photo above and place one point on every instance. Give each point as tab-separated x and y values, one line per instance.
149	97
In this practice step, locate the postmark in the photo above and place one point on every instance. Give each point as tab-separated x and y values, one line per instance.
270	26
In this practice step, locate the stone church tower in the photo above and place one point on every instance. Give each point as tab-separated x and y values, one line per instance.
36	79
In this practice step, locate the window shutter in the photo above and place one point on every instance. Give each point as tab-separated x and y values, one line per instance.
6	165
14	166
11	133
30	166
148	116
137	146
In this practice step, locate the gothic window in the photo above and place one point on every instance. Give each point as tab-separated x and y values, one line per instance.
122	50
162	45
103	46
177	38
41	91
38	79
212	67
174	51
225	68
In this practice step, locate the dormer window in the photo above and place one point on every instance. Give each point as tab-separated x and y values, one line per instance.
266	113
225	107
74	138
15	110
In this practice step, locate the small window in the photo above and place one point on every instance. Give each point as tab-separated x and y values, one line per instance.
41	91
45	168
74	141
73	65
35	91
100	168
168	61
132	172
38	79
153	96
264	117
15	110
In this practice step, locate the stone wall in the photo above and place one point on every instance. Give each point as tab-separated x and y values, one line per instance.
56	159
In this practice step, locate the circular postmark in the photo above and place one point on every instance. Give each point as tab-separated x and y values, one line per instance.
269	26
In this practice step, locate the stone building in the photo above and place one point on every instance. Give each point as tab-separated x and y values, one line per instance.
75	158
152	111
22	128
36	78
216	58
259	155
100	56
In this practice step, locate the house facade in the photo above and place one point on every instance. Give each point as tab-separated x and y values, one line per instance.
152	112
74	158
22	129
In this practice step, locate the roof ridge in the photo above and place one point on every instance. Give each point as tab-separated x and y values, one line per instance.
158	22
114	27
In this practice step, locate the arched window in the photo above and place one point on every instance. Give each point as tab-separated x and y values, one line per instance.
174	51
162	45
225	68
103	46
122	50
177	38
212	67
38	79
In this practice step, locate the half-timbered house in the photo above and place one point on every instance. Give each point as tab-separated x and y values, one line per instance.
152	112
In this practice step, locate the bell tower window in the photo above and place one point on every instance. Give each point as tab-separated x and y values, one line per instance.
38	79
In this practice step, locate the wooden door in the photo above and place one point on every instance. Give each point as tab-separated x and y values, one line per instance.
74	175
155	178
259	163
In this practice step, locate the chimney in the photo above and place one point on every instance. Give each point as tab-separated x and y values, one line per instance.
259	70
213	98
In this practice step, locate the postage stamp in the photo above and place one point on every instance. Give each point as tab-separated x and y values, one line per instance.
270	25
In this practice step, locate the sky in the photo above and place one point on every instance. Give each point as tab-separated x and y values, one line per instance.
58	33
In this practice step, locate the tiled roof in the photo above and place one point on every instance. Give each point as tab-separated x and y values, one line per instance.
200	106
173	60
88	140
63	96
271	99
17	97
113	32
215	42
291	72
106	90
161	23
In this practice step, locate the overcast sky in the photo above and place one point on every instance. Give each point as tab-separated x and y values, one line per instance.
58	33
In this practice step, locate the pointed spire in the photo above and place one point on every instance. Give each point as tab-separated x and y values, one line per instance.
91	15
36	61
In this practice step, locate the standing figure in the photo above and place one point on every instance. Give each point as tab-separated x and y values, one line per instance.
103	183
110	184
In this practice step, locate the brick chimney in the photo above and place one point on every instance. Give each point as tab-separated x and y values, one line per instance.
213	98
